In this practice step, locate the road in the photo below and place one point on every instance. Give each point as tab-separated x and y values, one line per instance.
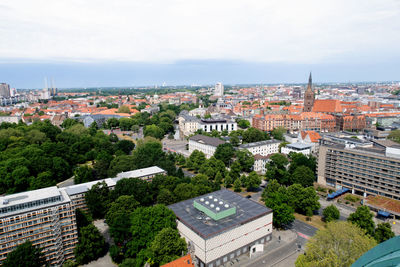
305	231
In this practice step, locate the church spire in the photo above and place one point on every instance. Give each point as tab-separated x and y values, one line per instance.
309	96
309	87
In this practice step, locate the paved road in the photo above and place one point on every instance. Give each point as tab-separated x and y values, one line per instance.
304	230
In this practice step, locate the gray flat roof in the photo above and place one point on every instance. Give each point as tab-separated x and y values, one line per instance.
212	141
246	210
299	145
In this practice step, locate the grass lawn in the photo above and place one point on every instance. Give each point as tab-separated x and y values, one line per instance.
316	220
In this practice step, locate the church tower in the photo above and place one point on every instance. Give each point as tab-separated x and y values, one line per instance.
309	96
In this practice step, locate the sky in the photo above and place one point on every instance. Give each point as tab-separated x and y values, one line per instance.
146	42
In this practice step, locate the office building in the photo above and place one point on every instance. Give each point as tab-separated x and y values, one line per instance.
5	90
222	225
364	170
46	217
219	89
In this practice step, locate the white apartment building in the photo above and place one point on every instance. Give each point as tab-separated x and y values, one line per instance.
260	162
263	148
46	217
205	144
222	225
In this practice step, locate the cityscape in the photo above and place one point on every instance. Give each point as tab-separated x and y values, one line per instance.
128	138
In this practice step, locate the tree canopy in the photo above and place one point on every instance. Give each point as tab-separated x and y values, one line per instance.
340	244
91	245
362	217
331	213
25	255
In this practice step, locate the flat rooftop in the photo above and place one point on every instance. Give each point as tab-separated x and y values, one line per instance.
139	173
29	196
206	227
298	146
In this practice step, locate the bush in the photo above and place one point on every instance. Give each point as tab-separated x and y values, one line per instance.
321	189
352	198
330	213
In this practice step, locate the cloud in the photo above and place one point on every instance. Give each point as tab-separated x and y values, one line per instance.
289	31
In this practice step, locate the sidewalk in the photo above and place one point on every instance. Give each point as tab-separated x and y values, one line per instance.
273	250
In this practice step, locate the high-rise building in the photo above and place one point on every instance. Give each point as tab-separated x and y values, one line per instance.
373	170
46	217
5	90
219	89
309	96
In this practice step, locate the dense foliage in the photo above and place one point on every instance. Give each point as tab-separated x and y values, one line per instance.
284	201
331	213
340	244
25	255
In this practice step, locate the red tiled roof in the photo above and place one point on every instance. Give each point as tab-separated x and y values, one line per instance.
185	261
327	105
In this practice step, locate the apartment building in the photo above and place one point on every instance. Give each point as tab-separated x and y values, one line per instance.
46	217
373	170
262	148
205	144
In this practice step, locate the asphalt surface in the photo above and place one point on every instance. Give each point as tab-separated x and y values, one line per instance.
305	231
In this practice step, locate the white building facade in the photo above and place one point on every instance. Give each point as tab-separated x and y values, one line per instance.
204	144
263	148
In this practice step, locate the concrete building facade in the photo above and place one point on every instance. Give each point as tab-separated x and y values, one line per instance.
46	217
366	171
218	240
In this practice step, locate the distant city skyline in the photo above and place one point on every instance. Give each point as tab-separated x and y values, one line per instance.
131	43
117	74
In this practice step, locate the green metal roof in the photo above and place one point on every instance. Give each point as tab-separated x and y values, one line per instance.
386	254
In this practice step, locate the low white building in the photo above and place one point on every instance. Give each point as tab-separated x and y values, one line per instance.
209	125
221	226
205	144
263	148
297	148
260	162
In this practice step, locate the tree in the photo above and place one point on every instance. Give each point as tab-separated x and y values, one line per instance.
168	246
83	174
235	170
97	199
234	141
102	164
299	159
237	185
126	124
301	198
67	123
118	217
154	131
362	217
83	218
283	215
165	197
25	255
91	245
124	109
135	187
112	123
146	223
253	135
224	152
276	168
303	175
331	213
228	181
244	124
278	132
185	191
394	135
253	181
246	159
383	232
340	244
